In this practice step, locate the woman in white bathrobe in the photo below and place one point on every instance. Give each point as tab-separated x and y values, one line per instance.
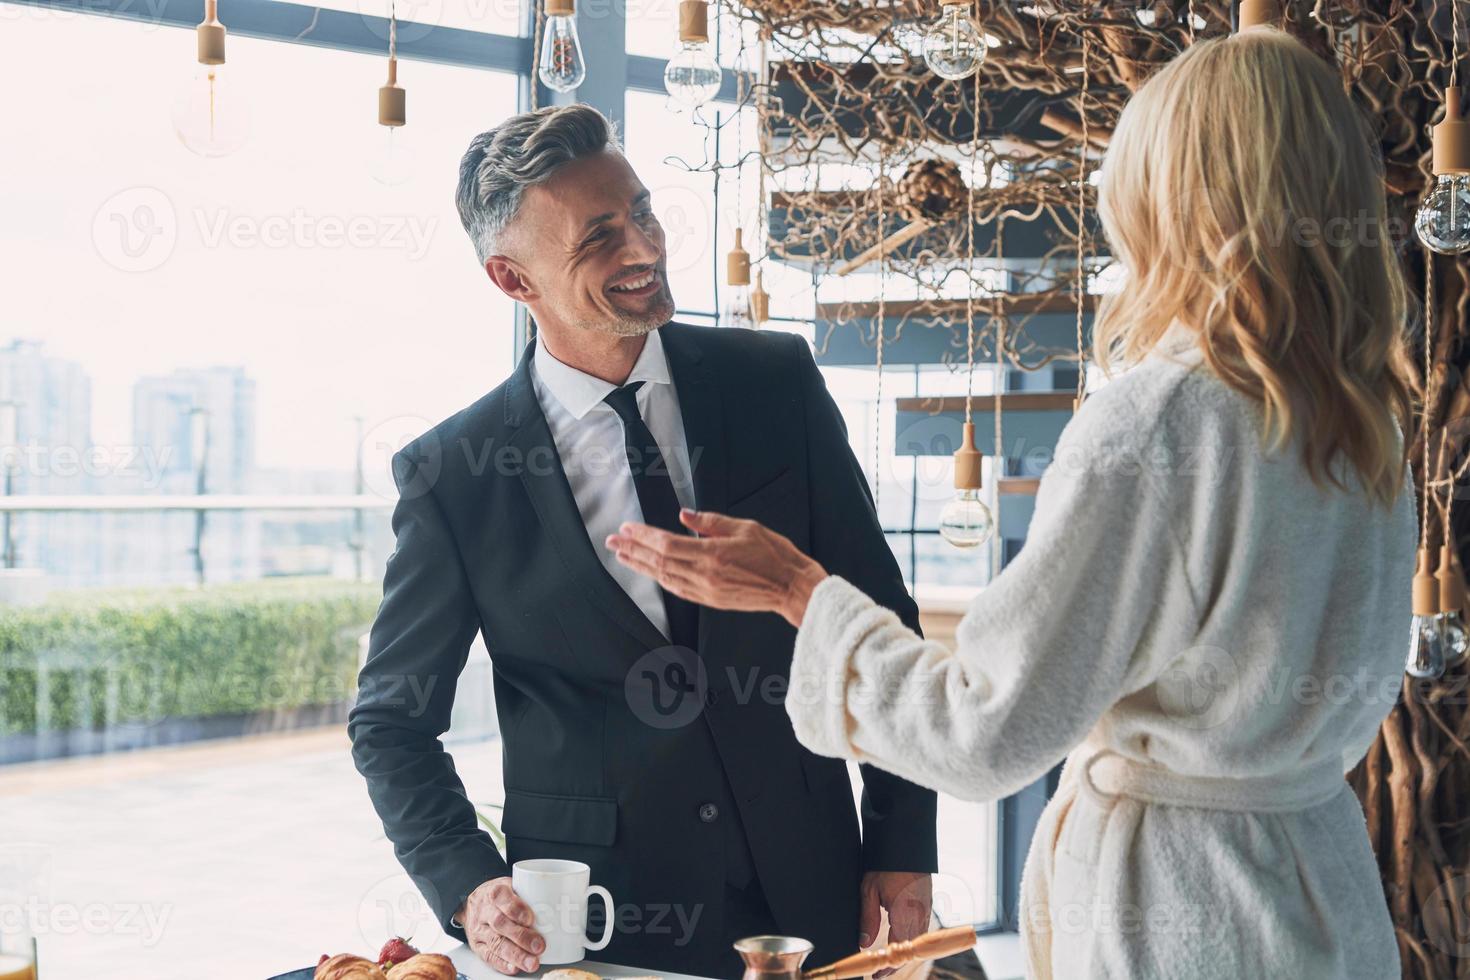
1207	620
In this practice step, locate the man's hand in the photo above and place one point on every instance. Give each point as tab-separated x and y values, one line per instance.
907	895
501	928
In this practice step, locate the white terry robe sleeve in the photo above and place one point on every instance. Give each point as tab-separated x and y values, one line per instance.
1096	605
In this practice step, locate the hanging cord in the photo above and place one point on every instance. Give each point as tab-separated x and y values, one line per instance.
970	251
1000	375
1454	43
536	30
392	30
1081	231
540	21
1447	509
1189	17
761	110
1428	386
739	127
882	312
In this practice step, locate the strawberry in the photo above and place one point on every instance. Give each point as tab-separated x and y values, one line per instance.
395	951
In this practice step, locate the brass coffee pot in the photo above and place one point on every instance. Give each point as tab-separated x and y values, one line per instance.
772	957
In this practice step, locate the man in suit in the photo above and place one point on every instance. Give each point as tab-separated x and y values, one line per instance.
643	736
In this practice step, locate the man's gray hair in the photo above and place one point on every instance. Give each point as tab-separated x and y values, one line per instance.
522	152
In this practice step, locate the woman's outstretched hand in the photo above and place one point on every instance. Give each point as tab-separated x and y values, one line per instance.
733	564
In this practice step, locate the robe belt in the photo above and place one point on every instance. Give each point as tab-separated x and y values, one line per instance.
1107	776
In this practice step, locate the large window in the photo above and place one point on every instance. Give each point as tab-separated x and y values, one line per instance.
306	309
278	285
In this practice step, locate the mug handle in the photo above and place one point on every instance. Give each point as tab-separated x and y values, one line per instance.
607	929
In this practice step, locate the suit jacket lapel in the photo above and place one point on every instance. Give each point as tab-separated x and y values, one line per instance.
551	496
703	411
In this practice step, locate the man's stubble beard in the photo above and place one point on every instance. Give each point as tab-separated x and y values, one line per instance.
638	324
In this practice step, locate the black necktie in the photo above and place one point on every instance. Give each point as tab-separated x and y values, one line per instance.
655	489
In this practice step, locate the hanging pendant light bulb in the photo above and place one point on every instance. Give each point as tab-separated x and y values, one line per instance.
760	303
390	163
953	48
206	116
1426	633
1443	221
562	66
692	76
1452	606
965	521
737	275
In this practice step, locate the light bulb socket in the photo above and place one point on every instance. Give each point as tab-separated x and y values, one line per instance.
1258	13
760	302
967	460
561	8
1426	586
737	264
211	36
392	106
1452	137
693	20
1451	584
392	100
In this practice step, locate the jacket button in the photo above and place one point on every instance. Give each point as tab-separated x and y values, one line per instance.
712	697
708	812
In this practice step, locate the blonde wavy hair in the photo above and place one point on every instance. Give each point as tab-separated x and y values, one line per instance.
1243	194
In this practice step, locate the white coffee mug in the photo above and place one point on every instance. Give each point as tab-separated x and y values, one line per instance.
557	892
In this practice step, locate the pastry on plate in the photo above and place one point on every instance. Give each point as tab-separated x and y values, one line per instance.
424	966
567	973
345	966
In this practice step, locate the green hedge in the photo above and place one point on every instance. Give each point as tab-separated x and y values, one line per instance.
140	656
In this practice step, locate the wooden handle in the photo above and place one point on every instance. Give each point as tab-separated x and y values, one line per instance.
929	946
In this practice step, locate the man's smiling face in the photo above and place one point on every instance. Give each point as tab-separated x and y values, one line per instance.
592	250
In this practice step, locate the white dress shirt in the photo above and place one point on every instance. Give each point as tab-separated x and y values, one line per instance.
589	439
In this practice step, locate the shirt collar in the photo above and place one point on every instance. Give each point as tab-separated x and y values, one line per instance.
579	392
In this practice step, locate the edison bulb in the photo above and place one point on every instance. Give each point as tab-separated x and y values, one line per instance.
965	521
1426	648
208	117
1443	221
1456	640
390	160
692	76
562	66
953	48
737	308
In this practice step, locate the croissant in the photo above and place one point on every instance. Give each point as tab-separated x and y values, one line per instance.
345	966
424	966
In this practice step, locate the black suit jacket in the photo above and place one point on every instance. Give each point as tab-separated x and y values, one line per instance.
489	539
